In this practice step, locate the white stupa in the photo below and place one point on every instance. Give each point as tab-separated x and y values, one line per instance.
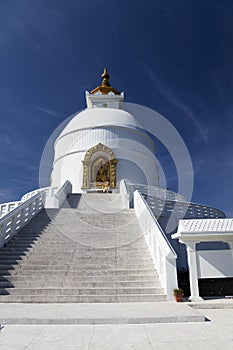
104	144
106	149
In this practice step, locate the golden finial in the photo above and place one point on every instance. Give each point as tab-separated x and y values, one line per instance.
105	77
105	86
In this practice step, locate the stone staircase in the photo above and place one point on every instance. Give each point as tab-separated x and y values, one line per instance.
92	250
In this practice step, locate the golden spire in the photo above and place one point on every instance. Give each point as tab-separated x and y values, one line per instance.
105	76
105	86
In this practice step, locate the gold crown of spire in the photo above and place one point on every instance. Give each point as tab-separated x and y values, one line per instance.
105	86
105	76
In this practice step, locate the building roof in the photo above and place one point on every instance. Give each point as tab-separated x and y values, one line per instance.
206	225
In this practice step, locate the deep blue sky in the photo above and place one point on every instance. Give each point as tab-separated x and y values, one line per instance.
174	56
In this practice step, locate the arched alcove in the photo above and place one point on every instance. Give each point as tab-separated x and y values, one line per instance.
99	167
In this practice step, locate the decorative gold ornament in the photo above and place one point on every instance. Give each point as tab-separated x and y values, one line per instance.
99	170
105	86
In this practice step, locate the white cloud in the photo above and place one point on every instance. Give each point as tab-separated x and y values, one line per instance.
46	110
167	92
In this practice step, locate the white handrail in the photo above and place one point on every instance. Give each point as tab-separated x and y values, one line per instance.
155	191
164	202
163	255
5	208
14	221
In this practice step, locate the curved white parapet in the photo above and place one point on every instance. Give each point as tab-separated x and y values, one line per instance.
164	203
50	191
182	209
155	191
14	221
5	208
52	198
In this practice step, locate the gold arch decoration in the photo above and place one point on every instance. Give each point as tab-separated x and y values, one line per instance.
107	161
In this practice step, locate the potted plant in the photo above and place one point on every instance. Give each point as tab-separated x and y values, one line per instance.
178	294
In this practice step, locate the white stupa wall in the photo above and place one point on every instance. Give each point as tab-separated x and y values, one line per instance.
133	149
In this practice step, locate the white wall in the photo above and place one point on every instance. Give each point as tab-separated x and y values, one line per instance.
133	149
214	263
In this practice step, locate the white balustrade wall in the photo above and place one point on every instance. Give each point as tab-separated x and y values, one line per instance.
164	202
182	210
14	221
50	193
164	257
155	191
5	208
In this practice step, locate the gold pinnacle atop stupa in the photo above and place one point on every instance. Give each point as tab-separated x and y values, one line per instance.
105	86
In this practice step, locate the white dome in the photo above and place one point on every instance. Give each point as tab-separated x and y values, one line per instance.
112	128
97	117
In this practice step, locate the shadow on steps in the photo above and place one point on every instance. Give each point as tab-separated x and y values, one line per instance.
20	246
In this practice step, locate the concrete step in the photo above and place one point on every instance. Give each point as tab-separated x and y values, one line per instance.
70	279
15	250
101	313
19	246
78	284
12	257
81	298
80	291
80	261
43	270
77	265
82	256
7	267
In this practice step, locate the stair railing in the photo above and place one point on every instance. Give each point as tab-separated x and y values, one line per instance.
163	255
14	221
5	208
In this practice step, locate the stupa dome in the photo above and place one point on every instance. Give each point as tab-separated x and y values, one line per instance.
100	117
104	138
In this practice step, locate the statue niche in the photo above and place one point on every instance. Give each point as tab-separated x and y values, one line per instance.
99	167
100	172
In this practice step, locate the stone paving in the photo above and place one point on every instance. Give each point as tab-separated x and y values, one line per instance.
216	333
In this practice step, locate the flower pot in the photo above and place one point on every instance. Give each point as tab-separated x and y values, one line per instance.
179	298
